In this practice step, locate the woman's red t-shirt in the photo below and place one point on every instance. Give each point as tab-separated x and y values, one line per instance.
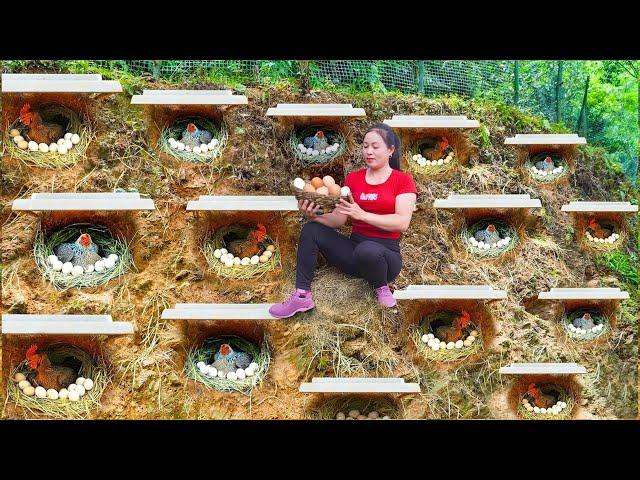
379	199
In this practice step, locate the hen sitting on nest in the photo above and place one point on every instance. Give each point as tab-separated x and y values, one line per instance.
545	165
226	360
317	141
192	136
82	252
488	235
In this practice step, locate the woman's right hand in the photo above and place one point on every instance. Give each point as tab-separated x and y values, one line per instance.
308	209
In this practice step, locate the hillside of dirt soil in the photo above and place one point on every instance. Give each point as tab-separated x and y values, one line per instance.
347	334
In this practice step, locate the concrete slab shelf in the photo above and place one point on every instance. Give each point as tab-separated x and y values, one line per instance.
188	97
28	324
545	139
97	201
543	369
58	83
213	311
580	206
247	203
359	385
431	121
450	292
584	294
315	110
487	201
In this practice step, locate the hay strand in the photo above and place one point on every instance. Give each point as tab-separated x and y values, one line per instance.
564	396
332	136
364	404
175	131
597	317
503	229
445	355
558	160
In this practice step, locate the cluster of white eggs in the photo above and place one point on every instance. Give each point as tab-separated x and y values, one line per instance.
420	160
610	239
228	260
239	374
73	392
436	344
62	146
67	268
584	331
503	242
555	410
357	415
203	148
543	173
313	152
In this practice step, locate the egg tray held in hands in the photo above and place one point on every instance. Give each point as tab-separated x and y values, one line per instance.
326	202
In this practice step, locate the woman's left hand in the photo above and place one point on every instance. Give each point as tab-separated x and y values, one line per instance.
350	208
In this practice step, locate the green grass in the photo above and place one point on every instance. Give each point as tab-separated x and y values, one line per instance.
624	265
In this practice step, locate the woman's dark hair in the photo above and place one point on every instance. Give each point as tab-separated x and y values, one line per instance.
390	138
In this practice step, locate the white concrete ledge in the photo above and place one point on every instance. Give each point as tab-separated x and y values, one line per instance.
315	110
58	83
247	203
359	385
583	294
95	201
188	97
26	324
487	201
543	369
449	292
546	139
214	311
431	121
579	206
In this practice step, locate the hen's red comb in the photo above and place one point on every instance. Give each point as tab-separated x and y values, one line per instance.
465	319
25	114
260	233
32	351
444	143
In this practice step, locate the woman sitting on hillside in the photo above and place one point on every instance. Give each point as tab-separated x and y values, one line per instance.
380	207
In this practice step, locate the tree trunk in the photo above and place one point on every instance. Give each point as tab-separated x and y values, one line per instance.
516	82
304	77
559	91
583	111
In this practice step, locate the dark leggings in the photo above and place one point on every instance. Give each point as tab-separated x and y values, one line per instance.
377	260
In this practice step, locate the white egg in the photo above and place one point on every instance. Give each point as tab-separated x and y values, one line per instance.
560	168
99	266
108	263
75	138
345	191
451	346
43	147
68	135
459	344
255	260
471	338
41	392
74	396
88	384
196	150
224	251
212	371
51	259
217	253
435	346
89	269
77	270
315	153
415	157
214	142
240	374
67	268
33	146
22	384
536	409
72	387
18	138
52	394
57	266
232	376
299	183
79	381
180	146
172	141
204	148
322	152
60	142
447	160
81	390
543	410
249	372
268	253
424	338
301	147
53	147
228	263
440	162
528	407
62	149
64	393
245	261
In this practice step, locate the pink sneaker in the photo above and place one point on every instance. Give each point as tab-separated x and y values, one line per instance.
299	301
385	297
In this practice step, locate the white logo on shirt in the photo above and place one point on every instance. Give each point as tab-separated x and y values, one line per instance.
368	196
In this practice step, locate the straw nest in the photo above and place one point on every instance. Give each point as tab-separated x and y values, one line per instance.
205	353
616	226
558	161
297	137
107	244
598	319
563	396
90	367
503	229
175	131
435	171
220	238
330	409
71	122
445	355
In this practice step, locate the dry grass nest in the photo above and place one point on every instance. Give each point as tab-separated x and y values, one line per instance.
205	353
563	396
328	410
434	171
598	319
444	355
558	161
175	131
71	122
44	245
297	137
503	229
94	368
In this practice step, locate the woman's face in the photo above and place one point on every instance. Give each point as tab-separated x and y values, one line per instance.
375	152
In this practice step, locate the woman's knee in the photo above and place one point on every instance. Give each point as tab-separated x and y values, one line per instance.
311	229
368	252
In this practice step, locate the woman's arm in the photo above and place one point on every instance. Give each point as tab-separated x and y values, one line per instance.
398	221
331	220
